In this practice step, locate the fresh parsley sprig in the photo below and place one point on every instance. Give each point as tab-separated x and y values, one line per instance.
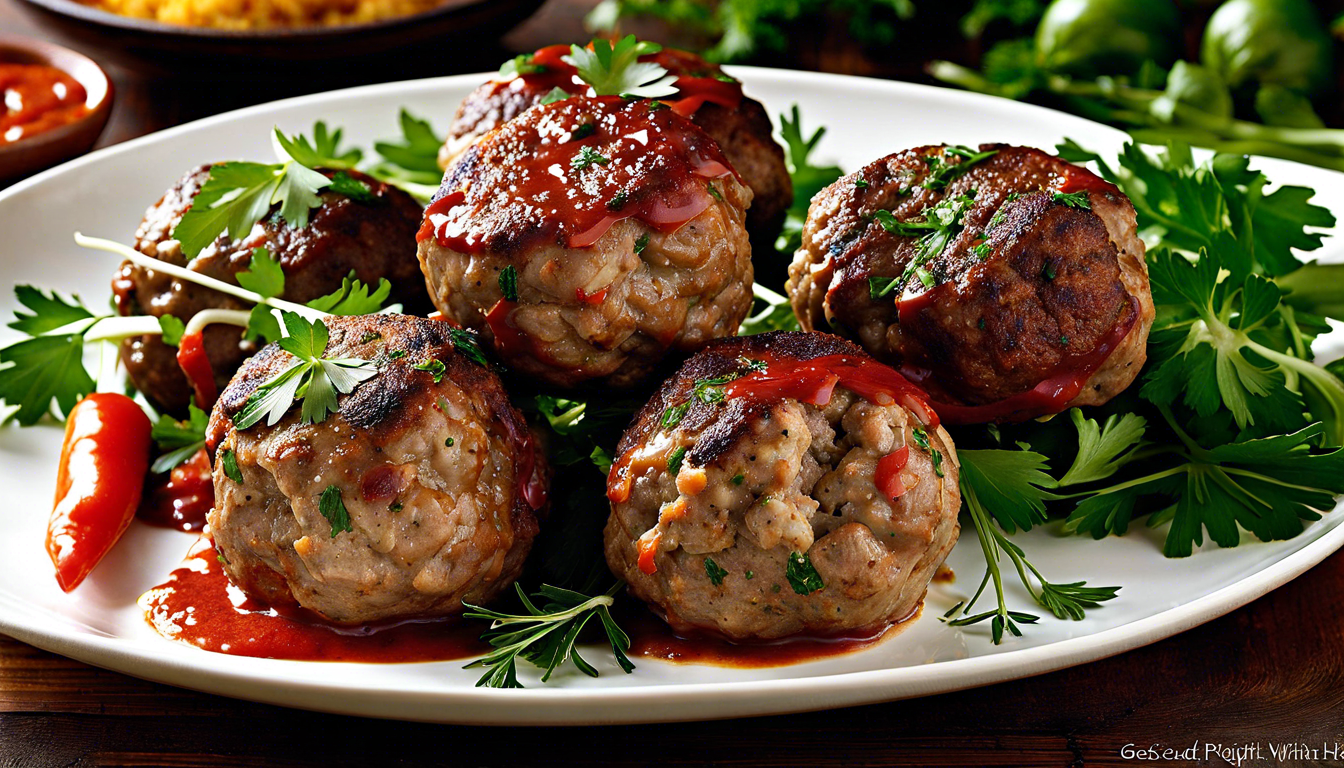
546	636
412	163
936	229
311	378
237	195
808	179
615	70
178	440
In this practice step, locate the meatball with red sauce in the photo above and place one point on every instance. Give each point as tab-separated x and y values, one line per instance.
1005	281
422	491
705	94
589	238
373	238
783	484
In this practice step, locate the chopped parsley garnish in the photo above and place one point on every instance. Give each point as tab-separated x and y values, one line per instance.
173	329
801	575
448	442
860	183
641	243
674	461
1048	271
332	507
555	94
714	571
982	251
587	157
941	172
395	507
229	462
508	283
615	70
714	191
413	162
370	336
750	575
311	378
921	437
467	345
739	478
937	457
617	201
545	636
672	416
521	64
936	229
433	367
582	132
1073	199
179	440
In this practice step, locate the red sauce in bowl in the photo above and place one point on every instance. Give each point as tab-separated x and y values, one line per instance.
37	98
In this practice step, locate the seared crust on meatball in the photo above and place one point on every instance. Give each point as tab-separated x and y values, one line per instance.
1031	285
623	226
719	503
740	125
436	477
374	239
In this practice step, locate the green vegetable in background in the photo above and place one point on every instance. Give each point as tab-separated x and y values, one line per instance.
1271	42
1107	37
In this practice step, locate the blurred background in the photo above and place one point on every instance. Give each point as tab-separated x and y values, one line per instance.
1253	76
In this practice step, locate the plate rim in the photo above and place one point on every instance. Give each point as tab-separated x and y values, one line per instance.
591	706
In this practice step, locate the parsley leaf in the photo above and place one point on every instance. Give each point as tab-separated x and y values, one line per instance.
521	64
413	162
263	274
354	298
229	462
323	150
802	576
1073	199
49	311
41	370
776	313
808	179
178	440
311	378
714	571
332	507
508	283
1102	449
545	636
587	157
937	228
617	71
941	172
172	330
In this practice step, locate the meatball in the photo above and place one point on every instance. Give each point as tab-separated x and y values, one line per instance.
1008	283
780	484
373	239
589	237
436	470
713	100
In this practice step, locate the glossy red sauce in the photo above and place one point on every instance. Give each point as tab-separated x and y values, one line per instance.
590	298
37	98
651	638
509	340
180	498
1049	396
813	381
1078	179
192	360
637	162
809	381
198	606
887	476
696	79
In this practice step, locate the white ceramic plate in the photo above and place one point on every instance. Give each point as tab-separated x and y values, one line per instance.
105	194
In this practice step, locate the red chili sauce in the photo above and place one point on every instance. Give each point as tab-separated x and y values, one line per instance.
197	605
566	172
697	81
37	98
813	381
179	499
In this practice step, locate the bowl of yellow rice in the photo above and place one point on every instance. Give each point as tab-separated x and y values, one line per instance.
196	34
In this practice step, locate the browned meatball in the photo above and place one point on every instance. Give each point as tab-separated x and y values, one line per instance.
1009	286
709	97
440	480
780	484
374	239
588	238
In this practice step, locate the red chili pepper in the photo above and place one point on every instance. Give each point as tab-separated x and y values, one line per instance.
193	362
98	483
191	358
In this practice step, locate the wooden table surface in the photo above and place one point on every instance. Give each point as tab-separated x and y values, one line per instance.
1269	673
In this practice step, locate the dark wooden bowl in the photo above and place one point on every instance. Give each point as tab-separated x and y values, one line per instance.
146	44
42	150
